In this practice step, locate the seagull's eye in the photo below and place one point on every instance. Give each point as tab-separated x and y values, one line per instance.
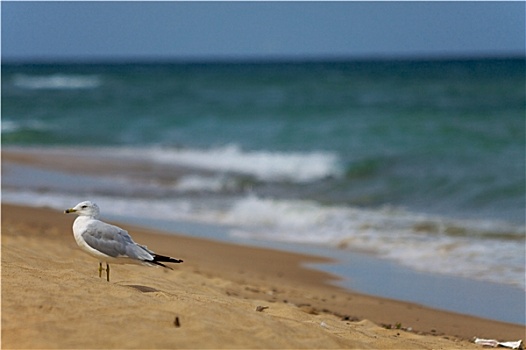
84	206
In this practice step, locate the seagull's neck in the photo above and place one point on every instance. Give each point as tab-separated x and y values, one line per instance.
87	217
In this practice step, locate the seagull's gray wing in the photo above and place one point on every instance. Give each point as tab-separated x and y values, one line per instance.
114	241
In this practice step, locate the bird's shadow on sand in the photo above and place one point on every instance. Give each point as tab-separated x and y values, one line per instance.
144	289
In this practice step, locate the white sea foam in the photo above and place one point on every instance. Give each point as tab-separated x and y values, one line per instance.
197	183
462	248
57	81
422	242
295	167
263	165
9	126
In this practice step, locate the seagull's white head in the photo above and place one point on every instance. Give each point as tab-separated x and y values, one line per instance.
86	208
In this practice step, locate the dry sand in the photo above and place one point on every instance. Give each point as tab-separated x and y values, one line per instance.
52	297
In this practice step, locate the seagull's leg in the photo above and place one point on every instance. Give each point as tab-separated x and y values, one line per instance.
107	272
100	269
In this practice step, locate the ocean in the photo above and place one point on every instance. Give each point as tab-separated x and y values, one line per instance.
420	163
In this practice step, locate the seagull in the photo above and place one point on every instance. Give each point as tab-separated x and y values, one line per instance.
109	243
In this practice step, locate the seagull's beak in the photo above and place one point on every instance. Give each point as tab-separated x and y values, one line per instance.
71	210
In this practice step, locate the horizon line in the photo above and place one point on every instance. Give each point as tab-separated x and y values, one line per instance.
248	59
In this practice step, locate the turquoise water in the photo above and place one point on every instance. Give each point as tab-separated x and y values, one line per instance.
421	162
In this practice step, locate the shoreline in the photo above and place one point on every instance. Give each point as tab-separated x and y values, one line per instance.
241	274
299	283
360	272
368	274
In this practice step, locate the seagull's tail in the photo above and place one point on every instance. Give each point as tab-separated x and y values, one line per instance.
157	259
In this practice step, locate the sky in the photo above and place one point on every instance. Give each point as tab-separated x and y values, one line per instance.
87	31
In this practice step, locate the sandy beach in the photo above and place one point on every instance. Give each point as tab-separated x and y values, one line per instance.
52	297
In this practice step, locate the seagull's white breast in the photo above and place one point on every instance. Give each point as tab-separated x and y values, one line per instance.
79	226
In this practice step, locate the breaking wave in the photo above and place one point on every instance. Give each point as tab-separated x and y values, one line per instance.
263	165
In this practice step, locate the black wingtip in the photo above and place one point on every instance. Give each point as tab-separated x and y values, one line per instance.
162	258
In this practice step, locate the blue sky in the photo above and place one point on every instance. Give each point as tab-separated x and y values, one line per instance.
241	30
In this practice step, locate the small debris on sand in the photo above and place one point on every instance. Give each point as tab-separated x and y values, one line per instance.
261	308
